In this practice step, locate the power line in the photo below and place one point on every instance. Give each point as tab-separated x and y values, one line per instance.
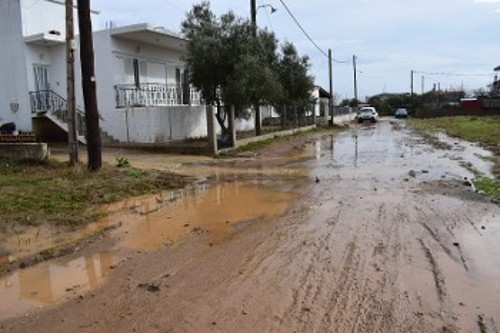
174	5
452	74
303	30
348	61
309	37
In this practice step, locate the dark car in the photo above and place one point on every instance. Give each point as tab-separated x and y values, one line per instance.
401	113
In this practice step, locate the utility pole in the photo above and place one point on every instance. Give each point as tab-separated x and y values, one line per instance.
411	84
253	15
330	76
89	87
70	85
422	83
355	79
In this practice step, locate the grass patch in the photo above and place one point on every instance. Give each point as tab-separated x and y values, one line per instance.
50	192
259	144
490	187
256	145
485	130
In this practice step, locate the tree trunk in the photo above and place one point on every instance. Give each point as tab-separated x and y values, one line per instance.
89	86
257	119
221	120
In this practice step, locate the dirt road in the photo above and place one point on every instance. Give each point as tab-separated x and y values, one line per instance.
379	233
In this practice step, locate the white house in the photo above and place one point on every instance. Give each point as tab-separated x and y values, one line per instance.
142	91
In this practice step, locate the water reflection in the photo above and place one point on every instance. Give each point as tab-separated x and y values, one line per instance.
146	223
149	223
49	283
382	153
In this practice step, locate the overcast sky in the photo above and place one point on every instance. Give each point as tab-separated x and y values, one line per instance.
458	38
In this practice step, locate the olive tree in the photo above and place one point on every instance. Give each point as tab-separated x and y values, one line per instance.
296	83
227	63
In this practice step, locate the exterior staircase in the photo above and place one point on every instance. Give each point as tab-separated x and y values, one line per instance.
53	107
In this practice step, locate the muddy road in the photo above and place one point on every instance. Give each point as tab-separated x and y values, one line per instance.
368	230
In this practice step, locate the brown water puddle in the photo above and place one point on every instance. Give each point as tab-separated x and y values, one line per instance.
49	283
148	223
145	223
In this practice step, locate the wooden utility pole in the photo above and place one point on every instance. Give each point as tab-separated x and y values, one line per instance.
355	79
411	84
70	82
89	86
253	16
330	76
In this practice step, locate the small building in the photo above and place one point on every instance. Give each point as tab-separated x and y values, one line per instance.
142	89
470	104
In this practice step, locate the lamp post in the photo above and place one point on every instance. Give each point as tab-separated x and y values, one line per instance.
253	12
253	16
273	10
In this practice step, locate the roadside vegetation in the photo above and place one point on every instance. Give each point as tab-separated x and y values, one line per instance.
256	145
53	193
234	63
484	130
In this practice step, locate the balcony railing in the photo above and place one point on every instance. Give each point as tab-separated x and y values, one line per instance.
48	101
153	94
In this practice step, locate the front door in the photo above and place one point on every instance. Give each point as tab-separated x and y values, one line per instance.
42	87
41	77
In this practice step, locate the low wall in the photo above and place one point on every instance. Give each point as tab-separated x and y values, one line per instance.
435	113
156	124
24	151
344	118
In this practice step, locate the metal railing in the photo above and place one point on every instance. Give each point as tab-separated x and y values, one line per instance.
48	101
155	94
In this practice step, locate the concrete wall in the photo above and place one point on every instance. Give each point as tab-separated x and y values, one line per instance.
24	151
344	118
14	100
157	124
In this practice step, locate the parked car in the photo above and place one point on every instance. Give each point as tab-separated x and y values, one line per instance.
401	113
367	113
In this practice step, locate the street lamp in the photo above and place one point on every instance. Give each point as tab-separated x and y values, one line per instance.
253	16
253	12
273	10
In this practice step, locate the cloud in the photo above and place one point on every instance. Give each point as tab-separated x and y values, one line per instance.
487	1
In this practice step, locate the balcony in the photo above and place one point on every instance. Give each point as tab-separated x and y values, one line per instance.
154	94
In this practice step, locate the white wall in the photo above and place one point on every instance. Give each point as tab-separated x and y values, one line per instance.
13	75
42	16
109	69
54	57
157	124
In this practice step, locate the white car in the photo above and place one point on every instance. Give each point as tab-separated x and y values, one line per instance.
367	113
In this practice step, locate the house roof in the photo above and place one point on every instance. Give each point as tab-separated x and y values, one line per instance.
323	93
146	33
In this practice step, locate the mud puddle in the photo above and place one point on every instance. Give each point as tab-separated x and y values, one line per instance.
376	153
144	224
